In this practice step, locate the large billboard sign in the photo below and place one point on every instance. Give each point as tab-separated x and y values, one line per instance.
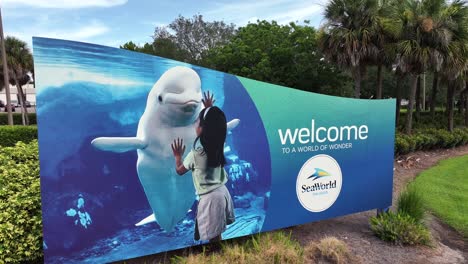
141	154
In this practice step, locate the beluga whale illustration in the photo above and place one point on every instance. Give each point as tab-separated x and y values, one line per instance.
171	112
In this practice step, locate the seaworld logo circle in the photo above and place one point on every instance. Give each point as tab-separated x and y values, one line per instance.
319	183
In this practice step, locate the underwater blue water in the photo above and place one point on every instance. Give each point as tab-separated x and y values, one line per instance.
92	199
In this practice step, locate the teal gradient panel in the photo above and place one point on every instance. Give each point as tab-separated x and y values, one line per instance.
367	167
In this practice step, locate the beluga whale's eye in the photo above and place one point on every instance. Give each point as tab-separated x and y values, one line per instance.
160	99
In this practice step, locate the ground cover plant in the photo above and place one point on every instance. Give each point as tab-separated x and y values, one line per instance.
406	225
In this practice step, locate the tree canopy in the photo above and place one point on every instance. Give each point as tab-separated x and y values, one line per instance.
281	54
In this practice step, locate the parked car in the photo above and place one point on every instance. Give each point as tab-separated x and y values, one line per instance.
27	103
13	106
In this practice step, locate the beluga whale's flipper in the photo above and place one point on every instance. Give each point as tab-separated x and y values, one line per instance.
118	144
232	124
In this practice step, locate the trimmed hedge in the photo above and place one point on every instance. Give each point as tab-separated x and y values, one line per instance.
17	120
20	204
9	135
427	139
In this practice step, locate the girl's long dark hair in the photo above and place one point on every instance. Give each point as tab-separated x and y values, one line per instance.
213	135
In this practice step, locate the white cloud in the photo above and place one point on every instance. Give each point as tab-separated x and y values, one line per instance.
83	33
240	7
64	4
299	14
282	11
154	23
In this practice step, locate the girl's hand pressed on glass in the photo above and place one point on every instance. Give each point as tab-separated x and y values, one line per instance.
208	100
178	149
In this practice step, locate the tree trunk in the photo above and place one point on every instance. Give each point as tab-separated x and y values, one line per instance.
418	99
23	120
398	98
461	103
450	101
409	114
466	112
24	109
466	104
435	87
379	82
357	82
6	79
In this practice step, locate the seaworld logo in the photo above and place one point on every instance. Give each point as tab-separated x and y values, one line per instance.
325	174
319	173
318	187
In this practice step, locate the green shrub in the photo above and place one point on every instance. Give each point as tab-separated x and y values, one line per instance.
401	144
411	203
420	140
430	138
400	228
412	143
17	119
9	135
20	204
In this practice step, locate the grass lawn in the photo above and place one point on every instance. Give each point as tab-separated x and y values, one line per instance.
445	191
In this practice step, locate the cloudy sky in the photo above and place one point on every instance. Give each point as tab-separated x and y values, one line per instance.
114	22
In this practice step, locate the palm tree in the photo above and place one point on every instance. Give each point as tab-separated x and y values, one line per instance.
347	37
452	62
455	70
383	37
456	56
19	60
425	36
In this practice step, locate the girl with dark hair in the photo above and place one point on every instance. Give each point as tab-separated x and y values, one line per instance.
206	161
